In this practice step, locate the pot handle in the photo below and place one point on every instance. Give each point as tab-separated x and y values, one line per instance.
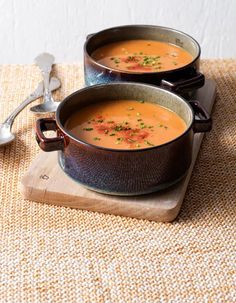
202	121
184	84
49	144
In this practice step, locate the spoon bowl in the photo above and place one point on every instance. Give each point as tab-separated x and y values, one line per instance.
6	136
48	107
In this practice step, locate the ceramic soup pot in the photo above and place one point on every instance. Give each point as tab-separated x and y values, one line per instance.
184	80
123	171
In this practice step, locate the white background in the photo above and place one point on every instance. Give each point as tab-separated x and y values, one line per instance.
28	27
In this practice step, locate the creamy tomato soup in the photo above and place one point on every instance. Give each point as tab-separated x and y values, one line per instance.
125	124
142	56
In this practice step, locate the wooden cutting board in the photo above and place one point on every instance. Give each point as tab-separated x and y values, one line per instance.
46	182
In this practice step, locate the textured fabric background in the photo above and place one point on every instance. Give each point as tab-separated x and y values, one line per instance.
56	254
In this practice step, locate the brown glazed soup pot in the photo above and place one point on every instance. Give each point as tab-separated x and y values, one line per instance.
116	171
184	80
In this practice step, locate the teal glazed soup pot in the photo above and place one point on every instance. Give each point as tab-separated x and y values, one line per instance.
123	171
184	80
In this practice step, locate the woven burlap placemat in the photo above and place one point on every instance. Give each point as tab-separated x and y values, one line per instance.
57	254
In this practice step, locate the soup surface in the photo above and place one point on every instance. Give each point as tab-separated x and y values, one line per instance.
142	56
125	124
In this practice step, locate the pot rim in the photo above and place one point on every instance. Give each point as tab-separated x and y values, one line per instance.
142	73
67	133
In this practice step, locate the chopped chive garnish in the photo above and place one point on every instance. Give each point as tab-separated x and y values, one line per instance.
100	120
148	143
96	139
119	140
131	140
112	134
118	128
88	128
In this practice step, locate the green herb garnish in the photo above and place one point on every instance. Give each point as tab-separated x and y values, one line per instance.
119	140
148	143
96	139
118	128
88	128
131	140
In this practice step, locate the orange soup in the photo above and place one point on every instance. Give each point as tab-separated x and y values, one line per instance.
125	124
142	56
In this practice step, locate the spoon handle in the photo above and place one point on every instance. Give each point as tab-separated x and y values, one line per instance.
45	62
35	95
47	94
39	92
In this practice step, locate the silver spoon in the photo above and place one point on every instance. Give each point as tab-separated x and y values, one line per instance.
45	62
6	136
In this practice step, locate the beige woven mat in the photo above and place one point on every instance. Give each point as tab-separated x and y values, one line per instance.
56	254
